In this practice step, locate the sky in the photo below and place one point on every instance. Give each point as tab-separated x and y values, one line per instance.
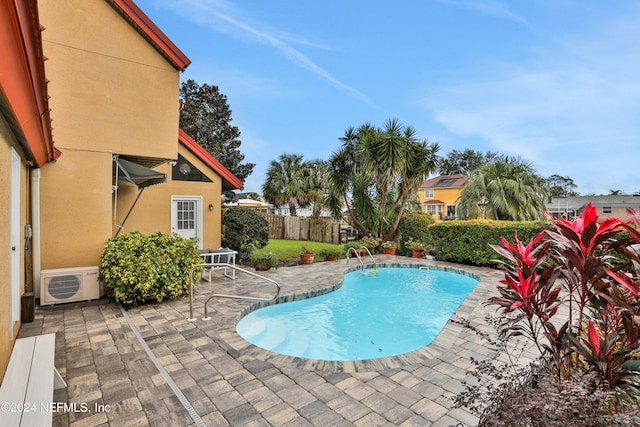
556	82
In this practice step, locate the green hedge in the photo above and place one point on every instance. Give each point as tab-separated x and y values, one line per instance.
148	268
413	225
467	242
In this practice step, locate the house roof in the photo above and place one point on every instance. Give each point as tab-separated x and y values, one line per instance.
434	202
150	31
23	85
231	182
444	181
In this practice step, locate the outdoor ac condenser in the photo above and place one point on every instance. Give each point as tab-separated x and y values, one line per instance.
68	285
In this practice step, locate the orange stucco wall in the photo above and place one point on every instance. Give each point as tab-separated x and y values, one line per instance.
153	210
449	196
111	93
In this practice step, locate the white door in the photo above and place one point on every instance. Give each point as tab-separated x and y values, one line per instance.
186	217
14	222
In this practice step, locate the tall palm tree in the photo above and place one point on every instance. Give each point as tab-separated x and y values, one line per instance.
288	182
513	189
376	171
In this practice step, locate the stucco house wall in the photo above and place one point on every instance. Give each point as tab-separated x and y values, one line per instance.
112	92
152	212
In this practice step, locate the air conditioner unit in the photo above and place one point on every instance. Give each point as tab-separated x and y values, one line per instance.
69	285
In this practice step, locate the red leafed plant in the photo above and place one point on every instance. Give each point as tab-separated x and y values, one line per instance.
593	269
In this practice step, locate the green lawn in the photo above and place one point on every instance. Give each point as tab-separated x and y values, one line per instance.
289	250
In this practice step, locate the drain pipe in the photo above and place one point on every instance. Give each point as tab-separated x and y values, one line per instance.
35	224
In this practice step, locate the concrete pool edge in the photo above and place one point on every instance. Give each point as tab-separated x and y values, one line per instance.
487	279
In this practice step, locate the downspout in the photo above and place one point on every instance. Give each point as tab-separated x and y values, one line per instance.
35	228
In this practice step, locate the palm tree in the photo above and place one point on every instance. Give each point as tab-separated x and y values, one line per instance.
512	188
288	182
376	171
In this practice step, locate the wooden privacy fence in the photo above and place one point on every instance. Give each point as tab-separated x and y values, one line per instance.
301	228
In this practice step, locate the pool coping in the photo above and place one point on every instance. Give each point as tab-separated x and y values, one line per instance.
441	344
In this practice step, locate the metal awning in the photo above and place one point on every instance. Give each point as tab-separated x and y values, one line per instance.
134	173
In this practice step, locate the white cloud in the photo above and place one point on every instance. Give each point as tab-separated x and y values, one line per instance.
574	106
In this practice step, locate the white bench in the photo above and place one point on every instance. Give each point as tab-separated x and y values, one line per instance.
26	393
219	256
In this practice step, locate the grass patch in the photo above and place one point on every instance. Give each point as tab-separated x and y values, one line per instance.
289	250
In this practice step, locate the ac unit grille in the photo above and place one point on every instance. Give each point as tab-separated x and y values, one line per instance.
68	285
63	287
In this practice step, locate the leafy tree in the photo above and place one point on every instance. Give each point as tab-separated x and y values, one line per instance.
288	182
514	191
206	117
376	171
319	191
561	186
250	195
465	161
615	192
244	231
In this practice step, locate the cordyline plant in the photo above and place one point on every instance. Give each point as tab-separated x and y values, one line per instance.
593	270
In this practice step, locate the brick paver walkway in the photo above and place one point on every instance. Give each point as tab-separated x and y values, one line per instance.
202	373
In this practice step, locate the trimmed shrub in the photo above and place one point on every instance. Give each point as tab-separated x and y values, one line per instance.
467	242
244	231
145	268
413	225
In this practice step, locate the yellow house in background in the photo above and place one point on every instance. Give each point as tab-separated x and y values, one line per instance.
439	196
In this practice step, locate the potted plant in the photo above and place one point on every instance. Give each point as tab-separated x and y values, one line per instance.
329	254
356	245
306	255
370	243
417	248
389	247
263	261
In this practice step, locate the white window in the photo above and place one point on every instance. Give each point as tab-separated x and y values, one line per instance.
431	209
428	194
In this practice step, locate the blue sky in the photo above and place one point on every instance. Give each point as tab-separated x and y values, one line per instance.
555	82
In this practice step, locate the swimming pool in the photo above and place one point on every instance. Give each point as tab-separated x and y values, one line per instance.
375	313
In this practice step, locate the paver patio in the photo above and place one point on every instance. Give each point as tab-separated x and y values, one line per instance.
152	366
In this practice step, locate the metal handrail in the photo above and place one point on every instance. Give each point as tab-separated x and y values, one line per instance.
226	265
352	249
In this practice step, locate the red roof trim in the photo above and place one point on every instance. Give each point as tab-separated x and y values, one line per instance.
209	160
22	79
151	32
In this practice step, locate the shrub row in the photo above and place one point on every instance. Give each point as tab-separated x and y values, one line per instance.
467	242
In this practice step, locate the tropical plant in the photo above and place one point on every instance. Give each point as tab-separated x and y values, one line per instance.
389	244
376	172
244	231
513	190
288	182
597	339
206	117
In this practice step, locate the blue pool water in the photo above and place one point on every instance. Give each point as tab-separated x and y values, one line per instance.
375	313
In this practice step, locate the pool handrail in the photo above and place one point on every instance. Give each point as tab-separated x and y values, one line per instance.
235	268
352	249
